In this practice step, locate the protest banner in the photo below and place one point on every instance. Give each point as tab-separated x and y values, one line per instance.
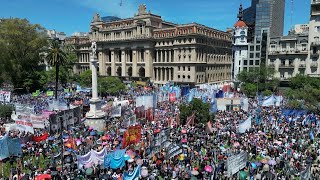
5	96
132	136
40	138
236	163
39	121
23	122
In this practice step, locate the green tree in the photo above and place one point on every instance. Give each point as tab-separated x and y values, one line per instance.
201	109
56	56
110	85
86	78
249	89
5	110
21	44
304	93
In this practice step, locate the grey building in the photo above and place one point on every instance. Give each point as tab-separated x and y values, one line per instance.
288	55
147	47
270	14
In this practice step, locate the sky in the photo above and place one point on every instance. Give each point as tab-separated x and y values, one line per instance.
71	16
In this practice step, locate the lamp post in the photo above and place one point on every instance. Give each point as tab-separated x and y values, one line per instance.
62	145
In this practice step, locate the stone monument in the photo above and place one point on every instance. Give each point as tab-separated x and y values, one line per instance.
95	118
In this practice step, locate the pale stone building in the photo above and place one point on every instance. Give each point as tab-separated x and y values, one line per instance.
313	62
146	46
288	55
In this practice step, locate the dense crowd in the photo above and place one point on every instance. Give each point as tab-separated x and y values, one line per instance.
277	146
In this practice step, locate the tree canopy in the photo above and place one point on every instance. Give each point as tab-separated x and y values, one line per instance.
201	109
261	79
110	85
304	93
21	44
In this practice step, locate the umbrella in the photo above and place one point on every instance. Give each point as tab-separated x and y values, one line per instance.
89	171
272	162
208	168
257	163
144	171
194	172
266	167
236	144
43	177
264	161
243	175
254	166
93	133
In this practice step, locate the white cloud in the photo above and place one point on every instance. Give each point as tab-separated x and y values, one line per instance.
110	7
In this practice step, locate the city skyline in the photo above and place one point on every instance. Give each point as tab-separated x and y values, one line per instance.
74	15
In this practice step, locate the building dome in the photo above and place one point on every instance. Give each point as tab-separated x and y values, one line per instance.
240	24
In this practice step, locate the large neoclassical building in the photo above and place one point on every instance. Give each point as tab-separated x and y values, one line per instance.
147	46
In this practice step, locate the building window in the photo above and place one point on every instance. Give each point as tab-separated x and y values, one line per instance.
251	55
257	55
258	48
188	76
183	76
179	76
245	62
257	62
188	68
251	62
251	48
178	68
184	68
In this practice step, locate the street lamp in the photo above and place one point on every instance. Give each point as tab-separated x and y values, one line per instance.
62	145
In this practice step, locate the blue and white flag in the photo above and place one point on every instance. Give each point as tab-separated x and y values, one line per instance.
244	126
311	135
134	175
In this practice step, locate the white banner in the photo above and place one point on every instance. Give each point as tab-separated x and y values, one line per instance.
38	121
5	96
236	163
24	123
244	126
116	111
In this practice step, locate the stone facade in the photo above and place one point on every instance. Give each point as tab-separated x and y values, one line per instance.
288	55
147	46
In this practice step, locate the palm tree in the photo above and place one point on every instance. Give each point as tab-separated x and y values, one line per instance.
56	56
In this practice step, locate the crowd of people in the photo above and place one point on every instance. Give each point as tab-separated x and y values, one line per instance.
276	146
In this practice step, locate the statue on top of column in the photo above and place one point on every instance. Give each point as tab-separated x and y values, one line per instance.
94	48
96	17
142	9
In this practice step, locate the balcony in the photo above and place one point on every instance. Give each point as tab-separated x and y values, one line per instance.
314	54
314	2
314	64
315	44
286	65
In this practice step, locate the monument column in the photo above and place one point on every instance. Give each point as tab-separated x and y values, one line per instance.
113	63
123	62
95	117
148	63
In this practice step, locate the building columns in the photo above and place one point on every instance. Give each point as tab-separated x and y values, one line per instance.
102	63
113	63
123	63
148	63
134	63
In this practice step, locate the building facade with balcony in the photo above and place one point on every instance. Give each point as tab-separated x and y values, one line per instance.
145	46
313	62
288	55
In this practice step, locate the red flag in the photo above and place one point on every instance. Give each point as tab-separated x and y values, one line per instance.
40	138
190	119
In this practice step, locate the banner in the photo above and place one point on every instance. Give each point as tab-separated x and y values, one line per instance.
134	175
14	146
236	162
36	94
92	157
116	112
246	125
24	123
116	159
39	121
40	138
49	93
4	151
244	102
5	96
131	136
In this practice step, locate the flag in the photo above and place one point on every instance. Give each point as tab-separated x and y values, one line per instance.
36	94
190	119
246	125
311	135
49	93
209	127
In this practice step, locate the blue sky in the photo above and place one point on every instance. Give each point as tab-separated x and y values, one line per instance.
75	15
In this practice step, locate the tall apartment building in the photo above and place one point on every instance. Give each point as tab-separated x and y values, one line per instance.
313	62
146	46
